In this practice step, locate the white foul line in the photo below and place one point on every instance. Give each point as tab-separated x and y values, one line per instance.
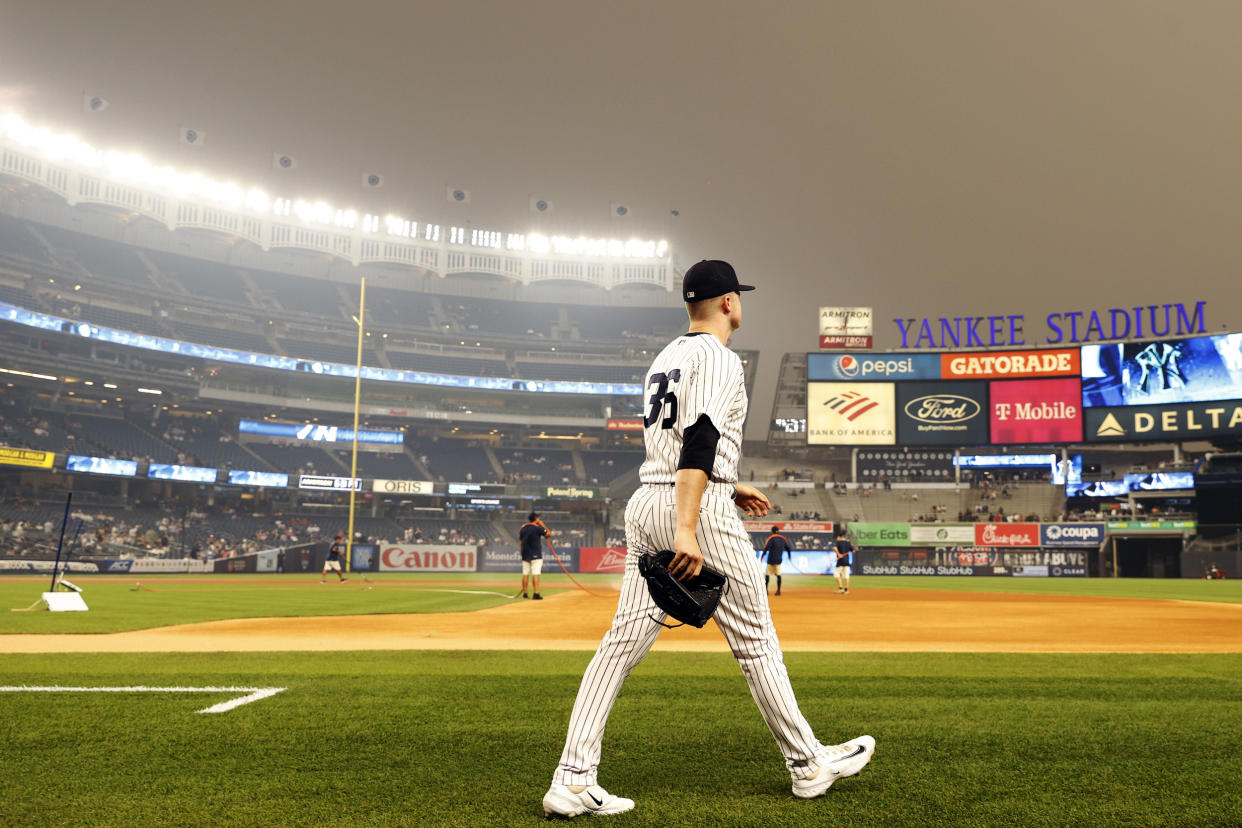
254	693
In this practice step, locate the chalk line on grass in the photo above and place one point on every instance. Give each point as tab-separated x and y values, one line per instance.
253	693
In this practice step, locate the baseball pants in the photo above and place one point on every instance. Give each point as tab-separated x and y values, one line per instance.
743	616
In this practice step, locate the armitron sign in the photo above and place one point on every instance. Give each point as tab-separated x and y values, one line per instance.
845	327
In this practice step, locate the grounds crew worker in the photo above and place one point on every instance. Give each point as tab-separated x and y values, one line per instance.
531	536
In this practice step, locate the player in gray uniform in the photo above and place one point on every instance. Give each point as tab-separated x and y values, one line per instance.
695	410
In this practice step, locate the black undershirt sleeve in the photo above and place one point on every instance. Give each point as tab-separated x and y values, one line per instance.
698	445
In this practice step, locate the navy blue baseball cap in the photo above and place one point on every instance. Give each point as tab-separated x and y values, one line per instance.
708	279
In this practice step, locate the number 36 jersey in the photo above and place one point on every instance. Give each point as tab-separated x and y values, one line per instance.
694	375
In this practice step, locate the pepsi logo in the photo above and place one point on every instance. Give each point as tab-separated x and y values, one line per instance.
847	366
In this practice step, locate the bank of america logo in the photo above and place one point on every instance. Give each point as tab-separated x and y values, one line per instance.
1110	428
850	404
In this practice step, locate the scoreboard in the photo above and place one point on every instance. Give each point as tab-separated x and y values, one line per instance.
1163	390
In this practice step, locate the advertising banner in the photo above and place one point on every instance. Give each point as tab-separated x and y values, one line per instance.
935	466
936	534
427	558
602	559
419	487
1037	411
871	367
23	565
810	562
100	465
942	413
623	424
845	327
1062	362
151	565
1152	526
362	558
788	525
328	483
241	563
266	560
308	557
1007	534
1166	372
509	559
850	414
1186	421
572	492
26	457
880	534
1071	534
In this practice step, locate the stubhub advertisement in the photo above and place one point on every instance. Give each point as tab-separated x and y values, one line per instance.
872	367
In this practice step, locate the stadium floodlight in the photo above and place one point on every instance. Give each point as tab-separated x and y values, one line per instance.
515	241
150	391
539	244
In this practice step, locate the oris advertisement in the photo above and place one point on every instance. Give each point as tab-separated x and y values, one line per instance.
942	413
1071	534
850	414
1036	411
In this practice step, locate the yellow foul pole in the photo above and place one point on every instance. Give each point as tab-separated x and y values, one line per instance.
353	462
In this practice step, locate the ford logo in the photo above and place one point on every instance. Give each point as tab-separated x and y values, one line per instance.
942	408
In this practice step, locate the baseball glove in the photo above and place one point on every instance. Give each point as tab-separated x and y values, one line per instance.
690	602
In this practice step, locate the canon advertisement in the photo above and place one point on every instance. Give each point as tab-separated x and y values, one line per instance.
942	413
427	558
850	414
1188	421
1036	411
1174	371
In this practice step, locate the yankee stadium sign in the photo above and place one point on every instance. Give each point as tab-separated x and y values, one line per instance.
1067	327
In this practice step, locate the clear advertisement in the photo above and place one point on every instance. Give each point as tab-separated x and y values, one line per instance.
1201	369
1187	421
850	414
942	413
1030	412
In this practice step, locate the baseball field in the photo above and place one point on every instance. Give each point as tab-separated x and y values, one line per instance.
442	700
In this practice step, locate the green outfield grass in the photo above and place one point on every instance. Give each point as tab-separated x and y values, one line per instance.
470	739
116	605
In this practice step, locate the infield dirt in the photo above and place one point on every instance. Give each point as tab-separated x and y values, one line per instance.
807	620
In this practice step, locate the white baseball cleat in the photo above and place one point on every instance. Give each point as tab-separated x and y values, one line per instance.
560	801
839	761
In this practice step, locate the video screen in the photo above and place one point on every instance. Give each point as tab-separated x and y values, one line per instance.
1098	488
1201	369
101	465
1158	481
191	474
258	478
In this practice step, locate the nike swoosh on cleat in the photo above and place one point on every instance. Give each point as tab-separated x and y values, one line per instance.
857	750
598	802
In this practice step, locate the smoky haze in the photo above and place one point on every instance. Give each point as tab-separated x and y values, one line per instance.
926	159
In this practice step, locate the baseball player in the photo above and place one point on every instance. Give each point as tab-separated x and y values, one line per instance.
845	561
695	405
776	546
531	537
333	561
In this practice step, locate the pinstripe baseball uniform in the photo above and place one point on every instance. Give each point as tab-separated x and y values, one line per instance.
695	375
